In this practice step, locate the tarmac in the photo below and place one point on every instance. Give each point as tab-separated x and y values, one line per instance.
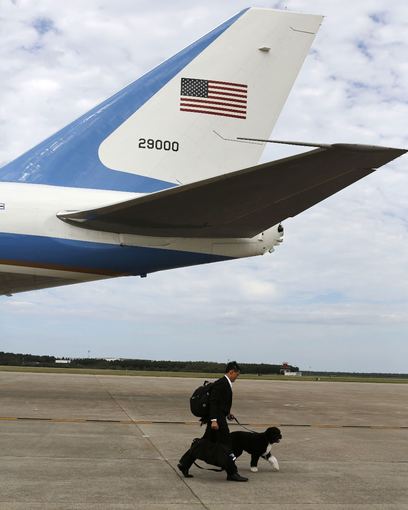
109	442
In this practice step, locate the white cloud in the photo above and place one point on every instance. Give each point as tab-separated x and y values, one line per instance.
342	266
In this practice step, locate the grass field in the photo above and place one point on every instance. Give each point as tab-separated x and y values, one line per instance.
198	375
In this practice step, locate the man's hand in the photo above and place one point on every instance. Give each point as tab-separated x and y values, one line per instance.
214	425
230	417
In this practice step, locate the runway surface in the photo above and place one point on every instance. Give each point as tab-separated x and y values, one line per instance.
106	442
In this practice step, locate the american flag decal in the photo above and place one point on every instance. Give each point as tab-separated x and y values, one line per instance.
212	97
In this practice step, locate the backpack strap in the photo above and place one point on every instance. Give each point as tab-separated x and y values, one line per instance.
209	469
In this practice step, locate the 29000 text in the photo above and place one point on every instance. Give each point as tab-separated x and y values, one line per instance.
166	145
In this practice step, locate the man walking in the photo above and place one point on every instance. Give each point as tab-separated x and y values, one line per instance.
217	427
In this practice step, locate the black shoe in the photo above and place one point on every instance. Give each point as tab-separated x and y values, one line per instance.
236	477
184	470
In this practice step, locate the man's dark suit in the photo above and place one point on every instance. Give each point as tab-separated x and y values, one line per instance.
220	398
220	407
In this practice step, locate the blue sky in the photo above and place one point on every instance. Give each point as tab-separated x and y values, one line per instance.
333	296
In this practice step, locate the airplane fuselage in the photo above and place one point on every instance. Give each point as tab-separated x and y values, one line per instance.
33	240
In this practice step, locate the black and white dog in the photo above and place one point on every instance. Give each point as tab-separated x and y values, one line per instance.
257	445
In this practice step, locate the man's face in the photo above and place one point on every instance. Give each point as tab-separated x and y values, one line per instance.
232	375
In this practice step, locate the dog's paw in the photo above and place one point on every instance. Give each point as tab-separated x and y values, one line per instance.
274	462
254	469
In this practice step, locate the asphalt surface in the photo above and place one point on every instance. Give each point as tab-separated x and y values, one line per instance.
106	442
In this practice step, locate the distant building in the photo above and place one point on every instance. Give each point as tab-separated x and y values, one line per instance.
287	369
292	374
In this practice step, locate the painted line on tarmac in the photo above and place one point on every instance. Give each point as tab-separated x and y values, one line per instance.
168	422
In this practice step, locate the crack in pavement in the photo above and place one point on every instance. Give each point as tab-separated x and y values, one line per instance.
137	425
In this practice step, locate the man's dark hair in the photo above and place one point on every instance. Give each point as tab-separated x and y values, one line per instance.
232	365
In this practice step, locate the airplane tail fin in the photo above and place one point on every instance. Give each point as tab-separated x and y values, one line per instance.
180	122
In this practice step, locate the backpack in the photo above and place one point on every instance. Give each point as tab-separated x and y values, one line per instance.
200	400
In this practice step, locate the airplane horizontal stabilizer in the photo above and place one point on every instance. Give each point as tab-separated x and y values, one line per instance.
243	203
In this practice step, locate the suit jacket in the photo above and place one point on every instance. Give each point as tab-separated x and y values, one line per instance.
220	399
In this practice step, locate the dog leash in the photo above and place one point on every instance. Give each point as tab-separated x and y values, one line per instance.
203	422
243	426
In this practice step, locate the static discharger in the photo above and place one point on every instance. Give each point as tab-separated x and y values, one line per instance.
286	142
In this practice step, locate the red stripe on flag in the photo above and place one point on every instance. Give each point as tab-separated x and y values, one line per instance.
229	99
229	89
185	100
228	83
206	107
227	94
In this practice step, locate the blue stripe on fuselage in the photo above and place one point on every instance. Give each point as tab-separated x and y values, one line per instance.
90	257
70	157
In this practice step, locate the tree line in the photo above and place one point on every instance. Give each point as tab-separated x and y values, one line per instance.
12	359
8	358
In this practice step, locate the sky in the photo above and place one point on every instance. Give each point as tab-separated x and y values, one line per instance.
333	296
